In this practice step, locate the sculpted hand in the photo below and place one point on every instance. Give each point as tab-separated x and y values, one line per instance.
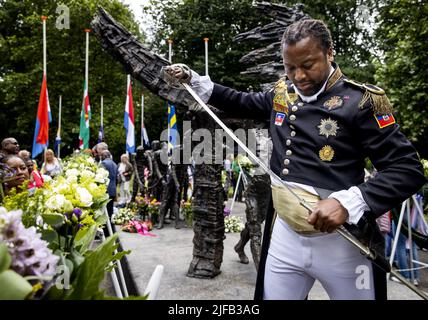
327	215
177	73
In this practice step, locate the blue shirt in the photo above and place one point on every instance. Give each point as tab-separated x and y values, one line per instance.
111	167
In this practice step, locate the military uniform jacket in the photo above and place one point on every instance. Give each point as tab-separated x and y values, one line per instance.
324	143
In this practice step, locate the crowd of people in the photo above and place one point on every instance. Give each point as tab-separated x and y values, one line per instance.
17	168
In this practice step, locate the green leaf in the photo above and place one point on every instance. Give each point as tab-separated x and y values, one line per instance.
5	258
92	271
84	238
49	235
13	286
101	219
76	258
53	219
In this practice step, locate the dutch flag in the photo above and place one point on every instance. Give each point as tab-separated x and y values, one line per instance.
129	119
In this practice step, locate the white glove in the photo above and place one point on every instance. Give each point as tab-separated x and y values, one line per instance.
176	74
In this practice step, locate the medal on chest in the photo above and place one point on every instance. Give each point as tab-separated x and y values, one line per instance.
328	127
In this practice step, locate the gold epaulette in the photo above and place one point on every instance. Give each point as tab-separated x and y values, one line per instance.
379	101
281	90
280	85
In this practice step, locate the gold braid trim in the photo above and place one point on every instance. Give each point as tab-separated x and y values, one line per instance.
337	74
377	97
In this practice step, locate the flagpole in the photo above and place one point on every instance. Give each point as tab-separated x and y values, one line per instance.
142	120
44	44
84	137
206	55
87	58
128	81
170	50
170	61
102	114
44	65
59	124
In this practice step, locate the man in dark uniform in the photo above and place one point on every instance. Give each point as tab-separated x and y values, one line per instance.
323	127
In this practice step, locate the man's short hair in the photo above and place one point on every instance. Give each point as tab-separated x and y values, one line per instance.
102	145
302	29
105	154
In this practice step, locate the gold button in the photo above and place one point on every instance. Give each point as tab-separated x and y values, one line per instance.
300	104
293	133
294	109
285	171
291	126
288	152
286	162
292	117
288	142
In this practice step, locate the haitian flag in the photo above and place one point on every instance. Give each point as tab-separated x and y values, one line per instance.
44	117
129	120
384	120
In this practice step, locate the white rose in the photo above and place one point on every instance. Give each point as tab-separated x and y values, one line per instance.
56	202
72	173
91	160
87	174
71	179
84	196
99	178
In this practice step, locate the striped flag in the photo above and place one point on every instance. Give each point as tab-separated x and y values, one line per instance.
129	119
144	136
172	128
57	141
44	117
101	134
85	116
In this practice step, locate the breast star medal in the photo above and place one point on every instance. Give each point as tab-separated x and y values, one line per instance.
328	127
326	153
333	102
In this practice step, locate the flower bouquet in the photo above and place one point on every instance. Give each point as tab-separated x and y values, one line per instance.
46	237
233	224
187	211
123	216
153	210
140	227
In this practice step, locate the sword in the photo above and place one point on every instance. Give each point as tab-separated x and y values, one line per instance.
365	250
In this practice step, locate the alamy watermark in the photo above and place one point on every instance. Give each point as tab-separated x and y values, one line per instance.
63	18
201	147
363	280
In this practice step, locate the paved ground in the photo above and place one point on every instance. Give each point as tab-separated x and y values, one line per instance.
172	248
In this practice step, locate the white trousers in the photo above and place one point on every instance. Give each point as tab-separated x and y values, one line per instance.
125	195
294	262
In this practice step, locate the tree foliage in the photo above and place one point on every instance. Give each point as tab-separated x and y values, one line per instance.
21	72
349	28
402	67
187	23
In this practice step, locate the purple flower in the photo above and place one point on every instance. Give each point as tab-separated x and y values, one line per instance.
226	212
30	254
77	212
